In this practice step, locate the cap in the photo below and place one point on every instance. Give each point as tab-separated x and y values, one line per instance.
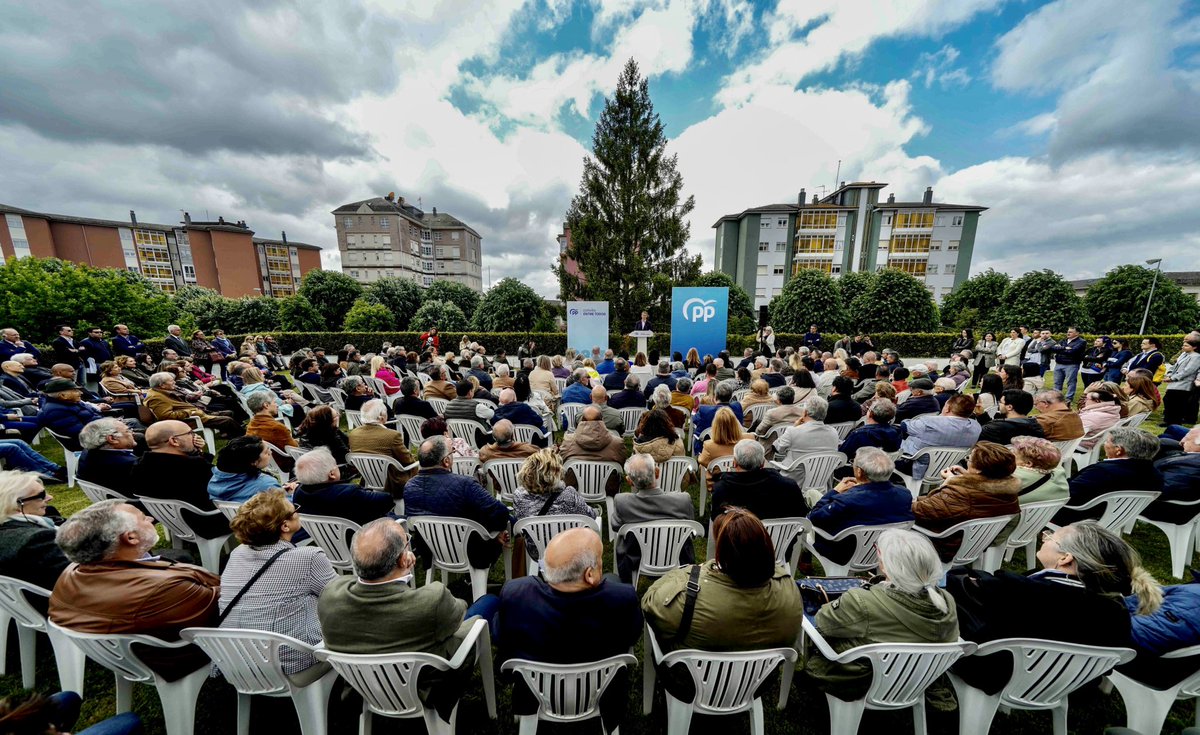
921	384
55	385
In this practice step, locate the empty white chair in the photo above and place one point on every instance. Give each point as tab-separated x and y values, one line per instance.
538	531
720	464
96	493
1146	708
865	556
447	540
939	459
1033	518
660	543
567	692
469	431
977	535
726	683
900	674
1180	536
1044	673
14	605
673	471
115	652
387	682
249	660
170	514
813	470
631	417
843	429
70	456
333	535
786	533
374	468
1121	508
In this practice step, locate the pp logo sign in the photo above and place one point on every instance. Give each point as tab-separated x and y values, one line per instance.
574	312
699	310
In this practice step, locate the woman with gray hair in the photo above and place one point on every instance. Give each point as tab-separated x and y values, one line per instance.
27	532
902	605
542	492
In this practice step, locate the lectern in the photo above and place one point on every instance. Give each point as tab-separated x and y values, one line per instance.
641	337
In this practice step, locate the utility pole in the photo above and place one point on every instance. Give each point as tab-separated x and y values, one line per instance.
1157	263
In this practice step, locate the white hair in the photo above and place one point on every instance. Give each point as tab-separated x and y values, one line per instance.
911	564
875	463
749	454
95	434
640	470
374	412
158	379
313	468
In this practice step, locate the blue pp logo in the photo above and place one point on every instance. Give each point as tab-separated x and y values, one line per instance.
699	310
574	312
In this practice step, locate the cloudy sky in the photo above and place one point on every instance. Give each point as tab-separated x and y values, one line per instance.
1075	121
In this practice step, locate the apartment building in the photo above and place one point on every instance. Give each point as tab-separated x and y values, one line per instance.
209	254
385	237
847	231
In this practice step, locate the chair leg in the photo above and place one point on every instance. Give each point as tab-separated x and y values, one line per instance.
679	716
976	710
756	718
312	705
1059	714
243	714
920	726
5	624
508	556
124	694
210	553
528	725
365	721
703	494
1030	555
785	684
1145	708
844	716
69	659
27	640
478	583
649	674
483	651
179	701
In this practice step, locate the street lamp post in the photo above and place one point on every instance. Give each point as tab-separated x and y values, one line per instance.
1157	263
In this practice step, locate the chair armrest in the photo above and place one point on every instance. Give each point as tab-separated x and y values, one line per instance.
478	628
810	630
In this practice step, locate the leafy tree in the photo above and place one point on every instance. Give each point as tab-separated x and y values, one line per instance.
509	306
1040	299
1117	302
296	314
252	315
209	311
973	304
741	308
894	302
854	284
628	226
809	297
401	296
332	294
36	294
461	295
367	316
447	316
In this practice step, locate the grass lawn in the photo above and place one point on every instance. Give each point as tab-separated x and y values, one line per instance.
1090	711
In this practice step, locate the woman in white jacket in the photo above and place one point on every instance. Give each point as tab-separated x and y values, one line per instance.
1179	403
1009	351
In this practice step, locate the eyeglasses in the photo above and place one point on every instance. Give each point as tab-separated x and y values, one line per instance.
39	496
1048	535
193	433
295	509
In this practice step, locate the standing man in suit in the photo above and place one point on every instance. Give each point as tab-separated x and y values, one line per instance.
12	344
643	324
65	349
94	352
176	342
124	343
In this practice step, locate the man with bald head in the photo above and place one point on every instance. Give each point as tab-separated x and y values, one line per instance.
592	440
516	412
12	344
178	467
611	416
503	446
577	614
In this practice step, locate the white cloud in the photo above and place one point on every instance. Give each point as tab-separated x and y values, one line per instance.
938	67
809	37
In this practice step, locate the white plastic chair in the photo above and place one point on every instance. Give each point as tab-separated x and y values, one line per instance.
726	683
14	605
939	459
468	431
1121	508
411	426
568	415
785	533
661	543
115	652
539	530
843	429
296	452
500	476
353	420
673	471
387	682
374	468
631	417
249	660
447	540
900	674
333	535
561	384
70	456
757	411
1136	420
466	466
439	405
1084	457
739	394
170	514
1034	517
1146	708
977	535
813	470
1067	450
1180	536
591	479
96	493
526	433
228	507
720	464
566	692
865	556
1044	673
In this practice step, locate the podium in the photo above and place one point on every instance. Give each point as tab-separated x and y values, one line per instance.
641	337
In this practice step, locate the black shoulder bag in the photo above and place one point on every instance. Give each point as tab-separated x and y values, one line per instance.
689	606
238	597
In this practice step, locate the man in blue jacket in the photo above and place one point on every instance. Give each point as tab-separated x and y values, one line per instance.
867	499
1181	483
64	411
1068	354
580	388
607	365
878	431
124	343
12	344
322	492
516	412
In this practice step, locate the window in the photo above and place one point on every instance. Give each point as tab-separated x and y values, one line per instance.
427	281
910	244
912	266
762	270
427	251
951	269
887	220
347	222
814	244
437	236
817	220
836	269
939	221
781	222
427	266
383	223
811	264
189	272
935	244
454	235
931	269
778	270
953	245
760	293
763	246
780	247
426	235
764	224
957	221
914	220
16	228
354	274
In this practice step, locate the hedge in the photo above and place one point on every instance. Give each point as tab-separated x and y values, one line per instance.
907	344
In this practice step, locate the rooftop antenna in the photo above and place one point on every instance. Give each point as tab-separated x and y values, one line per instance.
838	176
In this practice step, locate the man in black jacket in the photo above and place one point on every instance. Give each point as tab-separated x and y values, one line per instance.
920	402
1127	465
108	459
178	468
322	492
65	349
1015	406
175	341
1068	354
410	403
759	489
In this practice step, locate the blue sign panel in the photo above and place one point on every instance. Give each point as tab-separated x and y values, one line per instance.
587	325
700	319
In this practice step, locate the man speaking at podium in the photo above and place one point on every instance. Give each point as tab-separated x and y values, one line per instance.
643	325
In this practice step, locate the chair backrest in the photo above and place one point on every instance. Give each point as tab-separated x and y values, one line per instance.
466	430
423	376
525	433
783	532
447	539
297	452
561	384
1044	673
337	396
320	394
170	514
1121	507
901	672
96	493
501	477
387	682
1034	517
14	602
539	530
373	468
1067	450
66	442
726	683
114	651
591	477
569	692
333	536
465	466
865	556
661	542
631	417
353	419
439	405
1137	419
411	425
977	535
228	507
570	412
939	459
757	411
673	471
248	659
843	429
719	465
739	394
819	467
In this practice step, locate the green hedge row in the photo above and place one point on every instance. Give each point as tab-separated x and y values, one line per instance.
907	344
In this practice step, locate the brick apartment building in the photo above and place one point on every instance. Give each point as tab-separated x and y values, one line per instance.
214	255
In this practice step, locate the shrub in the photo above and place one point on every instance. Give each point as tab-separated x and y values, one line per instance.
296	314
463	296
508	306
331	293
894	300
401	296
366	315
447	317
809	297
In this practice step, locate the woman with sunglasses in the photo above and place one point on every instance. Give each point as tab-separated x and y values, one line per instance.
284	597
27	531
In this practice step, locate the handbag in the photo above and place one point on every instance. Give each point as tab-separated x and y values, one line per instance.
818	591
246	588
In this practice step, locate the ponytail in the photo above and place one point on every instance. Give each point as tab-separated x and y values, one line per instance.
936	598
1148	591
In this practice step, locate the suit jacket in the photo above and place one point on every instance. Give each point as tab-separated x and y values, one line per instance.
519	413
627	399
615	381
16	385
127	345
1002	431
166	406
883	436
1181	482
1107	476
485	380
344	500
66	418
377	439
409	406
775	416
390	618
917	405
843	409
807	438
656	381
110	468
765	492
178	477
178	344
8	349
67	352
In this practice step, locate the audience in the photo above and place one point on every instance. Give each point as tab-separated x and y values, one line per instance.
176	467
867	499
27	533
953	427
1059	422
1180	481
239	475
612	418
726	432
1012	419
808	435
503	446
375	438
656	435
1127	465
646	502
542	492
320	429
579	388
842	406
440	386
322	493
108	459
763	491
410	402
878	431
920	402
265	424
723	395
592	440
164	404
1039	470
